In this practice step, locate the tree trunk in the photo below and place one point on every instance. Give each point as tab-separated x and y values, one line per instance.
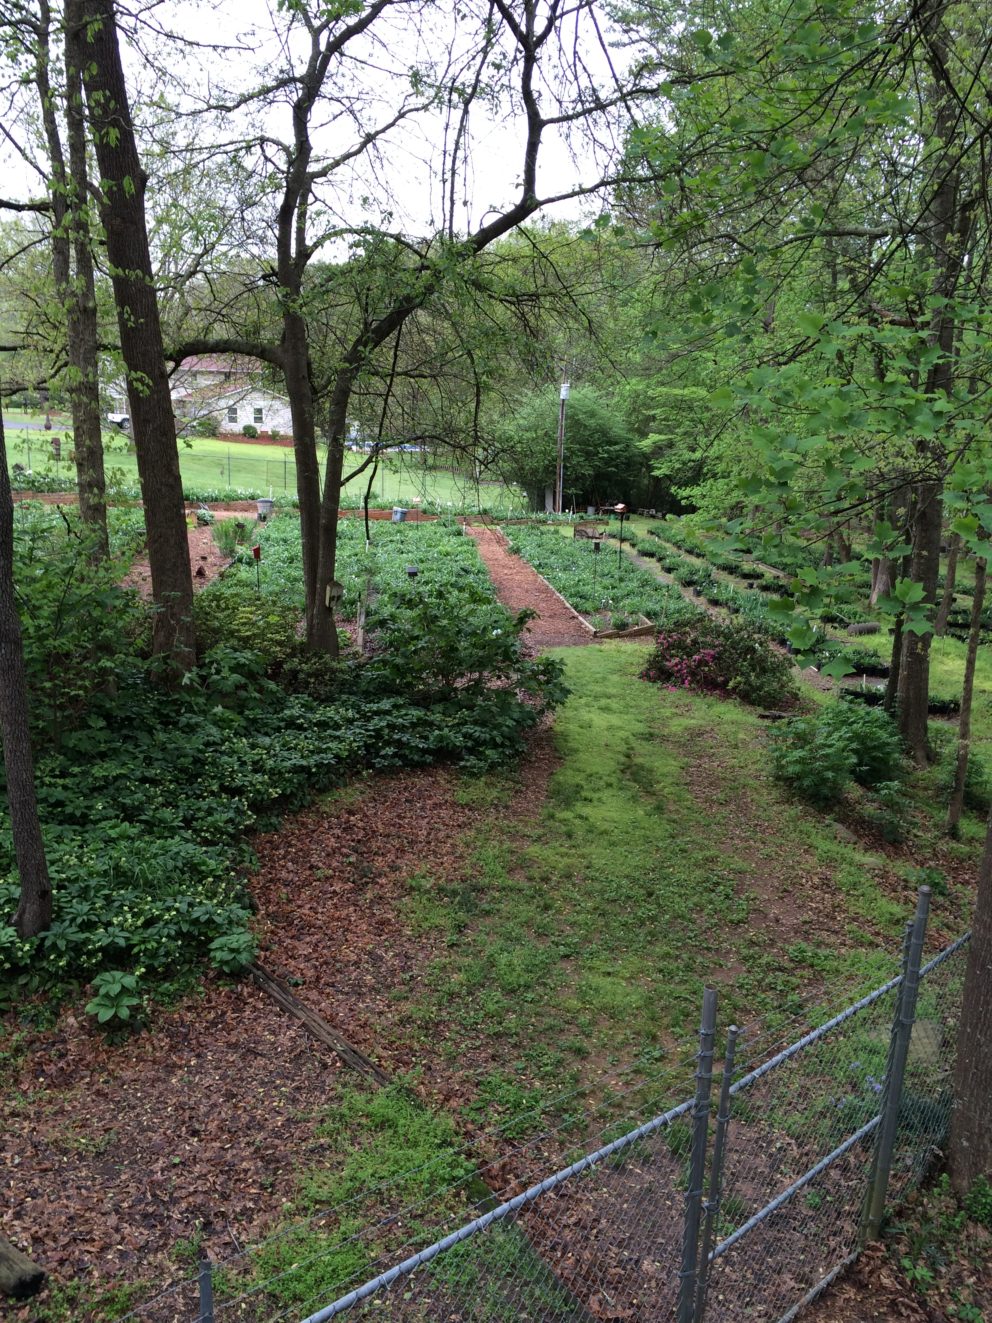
77	295
153	424
323	632
948	229
947	601
956	805
295	353
891	700
914	672
34	910
84	376
970	1153
19	1277
882	572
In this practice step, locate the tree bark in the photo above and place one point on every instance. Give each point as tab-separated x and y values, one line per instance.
914	671
84	377
882	571
153	424
299	390
77	294
19	1277
956	805
34	910
970	1152
891	700
322	629
948	228
947	601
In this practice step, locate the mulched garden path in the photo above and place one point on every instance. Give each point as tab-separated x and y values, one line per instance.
518	586
206	559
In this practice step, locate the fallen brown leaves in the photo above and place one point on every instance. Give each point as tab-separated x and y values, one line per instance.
112	1155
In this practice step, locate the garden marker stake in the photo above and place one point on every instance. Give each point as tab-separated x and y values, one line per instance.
256	551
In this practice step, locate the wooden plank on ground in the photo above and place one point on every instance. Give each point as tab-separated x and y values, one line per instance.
316	1025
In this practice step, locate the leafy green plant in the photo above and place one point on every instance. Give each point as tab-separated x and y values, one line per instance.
977	1202
233	614
146	802
231	952
818	757
585	579
876	747
813	762
250	431
115	998
230	534
892	815
77	624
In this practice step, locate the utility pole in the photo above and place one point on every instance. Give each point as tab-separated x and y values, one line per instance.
560	477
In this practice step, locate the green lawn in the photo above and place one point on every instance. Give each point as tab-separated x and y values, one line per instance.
576	945
220	465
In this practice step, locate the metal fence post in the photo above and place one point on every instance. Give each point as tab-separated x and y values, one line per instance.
697	1162
902	1028
206	1314
712	1205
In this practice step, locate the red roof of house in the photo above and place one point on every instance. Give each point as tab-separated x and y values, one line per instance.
220	363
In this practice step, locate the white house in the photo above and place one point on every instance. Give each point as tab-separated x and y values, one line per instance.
228	390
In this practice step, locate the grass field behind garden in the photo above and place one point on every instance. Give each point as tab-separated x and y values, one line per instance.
216	464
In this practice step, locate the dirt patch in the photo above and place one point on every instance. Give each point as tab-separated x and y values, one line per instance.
113	1155
206	559
873	1290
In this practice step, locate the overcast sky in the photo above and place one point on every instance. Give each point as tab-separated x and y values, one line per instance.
233	44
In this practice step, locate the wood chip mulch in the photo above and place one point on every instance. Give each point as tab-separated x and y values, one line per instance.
518	586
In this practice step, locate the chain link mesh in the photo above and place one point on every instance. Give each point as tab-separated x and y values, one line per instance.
601	1238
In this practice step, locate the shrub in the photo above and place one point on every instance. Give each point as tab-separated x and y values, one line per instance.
205	427
250	431
814	763
874	740
818	757
736	657
78	626
238	617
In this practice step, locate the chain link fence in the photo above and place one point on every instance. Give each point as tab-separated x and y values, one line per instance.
741	1201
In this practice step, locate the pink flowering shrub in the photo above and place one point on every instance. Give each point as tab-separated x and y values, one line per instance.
708	655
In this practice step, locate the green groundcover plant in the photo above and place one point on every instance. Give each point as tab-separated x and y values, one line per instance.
148	795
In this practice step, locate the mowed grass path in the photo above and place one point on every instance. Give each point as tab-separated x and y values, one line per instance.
556	974
663	858
570	953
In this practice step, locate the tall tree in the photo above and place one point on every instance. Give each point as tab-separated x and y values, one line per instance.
511	54
34	910
75	289
95	51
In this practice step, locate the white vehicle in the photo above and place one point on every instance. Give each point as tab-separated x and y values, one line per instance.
120	420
